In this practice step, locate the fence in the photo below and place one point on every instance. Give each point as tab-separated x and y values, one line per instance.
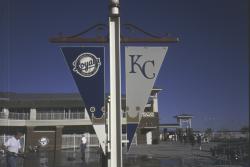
43	116
71	140
19	116
59	116
3	115
74	140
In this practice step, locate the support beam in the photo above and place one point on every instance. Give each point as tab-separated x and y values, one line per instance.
65	39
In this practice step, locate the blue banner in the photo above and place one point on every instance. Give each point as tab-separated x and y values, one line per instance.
131	130
87	68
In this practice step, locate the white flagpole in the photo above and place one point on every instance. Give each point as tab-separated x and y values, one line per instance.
115	85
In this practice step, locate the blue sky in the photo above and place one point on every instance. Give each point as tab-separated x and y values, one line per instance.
205	74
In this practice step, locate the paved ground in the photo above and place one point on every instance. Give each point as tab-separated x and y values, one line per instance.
162	155
181	155
176	154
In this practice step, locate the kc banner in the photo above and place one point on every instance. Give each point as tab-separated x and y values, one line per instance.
86	65
142	67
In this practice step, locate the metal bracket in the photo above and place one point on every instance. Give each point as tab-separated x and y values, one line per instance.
78	38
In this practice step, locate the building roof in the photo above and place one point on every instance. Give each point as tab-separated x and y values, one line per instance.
30	100
22	100
155	90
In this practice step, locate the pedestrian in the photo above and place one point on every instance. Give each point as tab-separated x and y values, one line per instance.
184	138
83	147
199	141
13	149
192	140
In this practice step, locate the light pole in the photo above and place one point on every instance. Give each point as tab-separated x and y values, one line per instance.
114	115
115	85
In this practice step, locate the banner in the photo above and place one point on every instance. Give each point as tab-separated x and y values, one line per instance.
86	65
142	67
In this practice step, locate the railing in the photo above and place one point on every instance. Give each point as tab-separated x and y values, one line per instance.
19	116
59	116
229	135
3	115
43	116
74	140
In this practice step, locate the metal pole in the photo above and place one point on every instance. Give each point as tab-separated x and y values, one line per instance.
24	142
109	130
115	85
74	142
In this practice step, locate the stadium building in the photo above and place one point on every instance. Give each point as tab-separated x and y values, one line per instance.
59	120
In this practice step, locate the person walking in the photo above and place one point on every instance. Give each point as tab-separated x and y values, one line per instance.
13	149
83	147
192	141
199	141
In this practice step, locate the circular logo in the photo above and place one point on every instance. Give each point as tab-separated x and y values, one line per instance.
92	109
86	65
43	141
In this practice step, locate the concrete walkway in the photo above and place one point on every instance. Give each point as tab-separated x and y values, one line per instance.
162	155
177	154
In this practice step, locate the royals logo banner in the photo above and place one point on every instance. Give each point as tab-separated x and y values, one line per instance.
142	67
86	65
